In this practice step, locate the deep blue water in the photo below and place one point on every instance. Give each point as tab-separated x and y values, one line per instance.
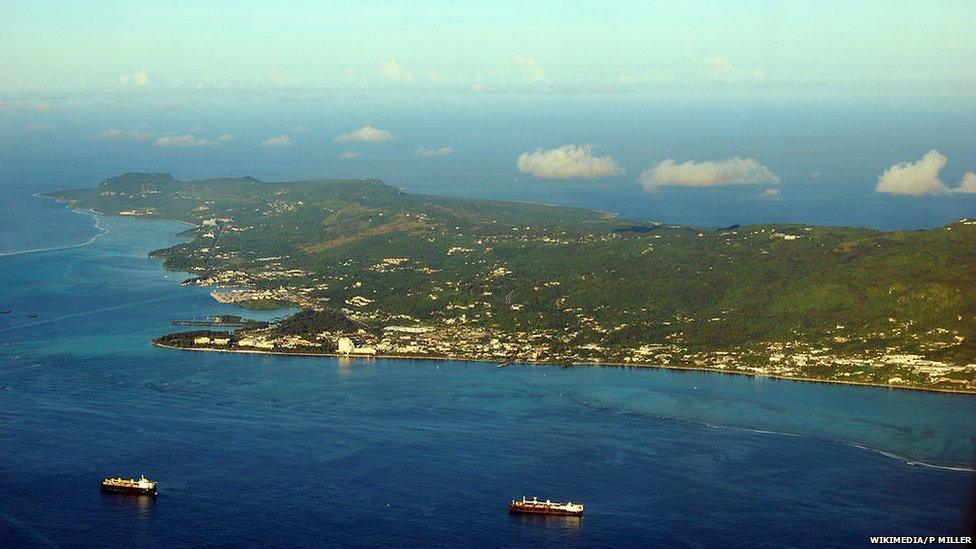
290	451
303	451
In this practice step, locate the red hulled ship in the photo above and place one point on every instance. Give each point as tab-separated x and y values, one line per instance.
536	507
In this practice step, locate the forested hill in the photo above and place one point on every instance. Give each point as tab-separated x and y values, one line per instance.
251	198
590	285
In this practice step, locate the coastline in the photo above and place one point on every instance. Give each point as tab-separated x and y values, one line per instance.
578	364
96	214
102	231
96	217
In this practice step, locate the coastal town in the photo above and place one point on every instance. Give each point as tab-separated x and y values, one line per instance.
462	336
791	360
471	281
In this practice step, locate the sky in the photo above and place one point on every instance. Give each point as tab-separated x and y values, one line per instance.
707	112
134	50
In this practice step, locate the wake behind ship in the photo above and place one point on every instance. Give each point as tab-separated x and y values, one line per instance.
547	507
142	486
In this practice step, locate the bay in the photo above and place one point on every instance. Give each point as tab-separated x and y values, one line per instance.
251	449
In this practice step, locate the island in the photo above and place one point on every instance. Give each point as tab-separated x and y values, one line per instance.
380	272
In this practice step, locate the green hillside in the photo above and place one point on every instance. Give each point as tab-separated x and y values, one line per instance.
571	285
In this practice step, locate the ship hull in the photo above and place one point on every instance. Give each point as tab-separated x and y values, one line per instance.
551	512
129	490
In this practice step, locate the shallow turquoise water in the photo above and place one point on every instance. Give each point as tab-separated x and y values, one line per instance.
308	451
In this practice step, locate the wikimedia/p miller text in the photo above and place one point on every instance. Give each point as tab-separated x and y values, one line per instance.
922	540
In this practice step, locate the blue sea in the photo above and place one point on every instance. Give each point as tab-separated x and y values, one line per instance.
282	451
260	450
828	153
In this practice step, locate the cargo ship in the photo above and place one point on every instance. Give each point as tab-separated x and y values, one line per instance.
142	486
536	507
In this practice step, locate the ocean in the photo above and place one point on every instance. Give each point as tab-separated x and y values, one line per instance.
828	153
289	451
266	450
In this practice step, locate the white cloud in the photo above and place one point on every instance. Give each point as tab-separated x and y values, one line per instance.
115	134
718	68
922	178
709	173
534	71
392	70
139	79
350	76
278	76
348	155
366	134
279	141
185	140
968	184
770	194
225	137
653	77
567	162
443	151
915	178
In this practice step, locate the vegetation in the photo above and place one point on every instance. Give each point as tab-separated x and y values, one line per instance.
381	256
313	322
264	304
185	339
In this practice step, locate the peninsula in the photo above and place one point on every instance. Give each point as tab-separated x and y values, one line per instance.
380	272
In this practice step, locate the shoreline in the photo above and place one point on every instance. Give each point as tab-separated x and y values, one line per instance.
96	214
102	231
577	364
96	218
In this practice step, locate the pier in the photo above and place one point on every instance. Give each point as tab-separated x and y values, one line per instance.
230	321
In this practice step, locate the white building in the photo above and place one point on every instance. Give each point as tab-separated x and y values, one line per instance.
345	346
364	351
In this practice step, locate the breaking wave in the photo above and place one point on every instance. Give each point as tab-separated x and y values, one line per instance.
691	421
97	224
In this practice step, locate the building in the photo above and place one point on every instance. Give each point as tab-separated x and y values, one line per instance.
364	351
345	346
